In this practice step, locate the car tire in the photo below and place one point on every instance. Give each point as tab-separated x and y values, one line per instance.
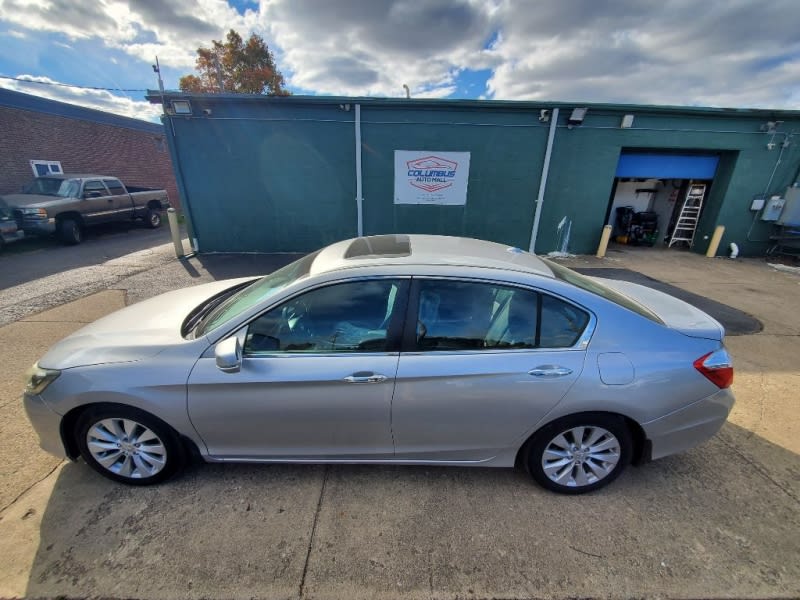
69	232
562	463
128	445
153	218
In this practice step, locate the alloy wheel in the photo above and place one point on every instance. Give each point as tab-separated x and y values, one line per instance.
581	456
126	448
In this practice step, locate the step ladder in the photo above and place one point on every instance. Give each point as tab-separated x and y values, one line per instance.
689	215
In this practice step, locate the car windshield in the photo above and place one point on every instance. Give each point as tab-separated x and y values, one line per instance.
590	285
256	293
52	186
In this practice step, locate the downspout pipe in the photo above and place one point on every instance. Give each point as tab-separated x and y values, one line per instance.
359	191
543	180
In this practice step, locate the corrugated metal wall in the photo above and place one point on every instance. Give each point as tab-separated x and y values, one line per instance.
278	175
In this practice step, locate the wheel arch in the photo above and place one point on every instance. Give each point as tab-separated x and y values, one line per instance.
70	420
70	214
641	445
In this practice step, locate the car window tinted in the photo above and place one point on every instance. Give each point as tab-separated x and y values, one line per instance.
346	317
459	315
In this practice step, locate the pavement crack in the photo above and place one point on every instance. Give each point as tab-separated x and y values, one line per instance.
27	489
313	532
586	553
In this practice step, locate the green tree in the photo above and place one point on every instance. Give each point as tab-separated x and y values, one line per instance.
242	67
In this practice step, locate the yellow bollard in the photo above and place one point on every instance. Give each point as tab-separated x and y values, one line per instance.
601	249
715	240
174	229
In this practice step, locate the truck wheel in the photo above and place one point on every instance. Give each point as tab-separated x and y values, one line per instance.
69	231
153	218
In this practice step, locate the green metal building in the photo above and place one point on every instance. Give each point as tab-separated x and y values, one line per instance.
291	174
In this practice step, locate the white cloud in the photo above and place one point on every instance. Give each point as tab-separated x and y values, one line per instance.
734	53
97	99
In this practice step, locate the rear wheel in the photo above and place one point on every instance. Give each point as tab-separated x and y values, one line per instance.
69	232
153	218
129	445
580	453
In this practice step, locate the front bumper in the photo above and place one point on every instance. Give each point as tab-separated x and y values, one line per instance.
32	226
689	426
46	423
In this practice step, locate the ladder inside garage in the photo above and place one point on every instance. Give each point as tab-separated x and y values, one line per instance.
689	215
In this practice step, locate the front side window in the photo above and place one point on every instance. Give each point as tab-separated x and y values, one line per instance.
345	317
461	315
92	188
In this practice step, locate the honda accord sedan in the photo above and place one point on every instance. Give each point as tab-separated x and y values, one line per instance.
402	349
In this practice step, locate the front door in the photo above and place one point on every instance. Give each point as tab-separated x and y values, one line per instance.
487	361
316	379
97	203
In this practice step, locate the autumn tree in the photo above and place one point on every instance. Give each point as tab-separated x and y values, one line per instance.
239	66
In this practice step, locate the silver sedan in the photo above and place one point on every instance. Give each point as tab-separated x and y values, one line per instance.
405	349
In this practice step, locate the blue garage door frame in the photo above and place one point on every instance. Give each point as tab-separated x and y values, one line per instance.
638	165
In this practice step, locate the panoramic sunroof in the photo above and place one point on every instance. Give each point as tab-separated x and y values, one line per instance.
377	246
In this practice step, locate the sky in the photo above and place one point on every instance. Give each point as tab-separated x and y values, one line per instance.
729	53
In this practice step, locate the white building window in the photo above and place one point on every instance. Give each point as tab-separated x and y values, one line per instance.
46	167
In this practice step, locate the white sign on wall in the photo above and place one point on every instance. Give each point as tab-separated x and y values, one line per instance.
425	177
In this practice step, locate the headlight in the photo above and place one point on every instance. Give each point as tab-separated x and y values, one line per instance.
37	379
35	212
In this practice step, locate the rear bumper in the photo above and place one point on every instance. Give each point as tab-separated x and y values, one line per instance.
46	423
689	426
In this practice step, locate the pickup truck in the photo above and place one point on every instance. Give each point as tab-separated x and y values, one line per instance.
66	204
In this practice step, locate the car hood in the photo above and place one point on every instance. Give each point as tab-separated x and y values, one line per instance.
675	314
31	200
134	333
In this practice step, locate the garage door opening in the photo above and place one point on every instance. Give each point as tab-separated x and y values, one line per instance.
658	199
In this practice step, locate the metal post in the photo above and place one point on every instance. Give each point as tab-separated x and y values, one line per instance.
715	240
175	230
601	249
543	180
359	191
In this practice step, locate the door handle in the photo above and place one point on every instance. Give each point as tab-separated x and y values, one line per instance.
550	371
365	377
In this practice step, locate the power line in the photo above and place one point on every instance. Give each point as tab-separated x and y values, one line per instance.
69	85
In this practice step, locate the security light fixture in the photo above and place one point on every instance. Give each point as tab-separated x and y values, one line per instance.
181	107
627	122
544	115
577	116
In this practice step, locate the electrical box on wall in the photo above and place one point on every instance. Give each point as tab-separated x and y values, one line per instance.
773	209
791	210
757	204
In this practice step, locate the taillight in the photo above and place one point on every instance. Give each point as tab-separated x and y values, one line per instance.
717	367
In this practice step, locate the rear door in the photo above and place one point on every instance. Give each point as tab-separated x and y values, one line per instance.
121	200
484	363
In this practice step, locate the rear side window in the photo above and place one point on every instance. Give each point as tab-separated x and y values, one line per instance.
115	187
585	283
94	186
461	315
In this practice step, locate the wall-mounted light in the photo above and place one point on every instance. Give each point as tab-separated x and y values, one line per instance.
544	115
771	126
577	116
181	107
627	122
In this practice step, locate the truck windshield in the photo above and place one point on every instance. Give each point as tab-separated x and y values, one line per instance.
51	186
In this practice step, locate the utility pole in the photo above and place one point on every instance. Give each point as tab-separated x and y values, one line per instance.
157	71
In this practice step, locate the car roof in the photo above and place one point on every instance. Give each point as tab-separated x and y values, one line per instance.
429	250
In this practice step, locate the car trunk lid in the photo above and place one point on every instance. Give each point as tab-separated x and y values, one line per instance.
674	313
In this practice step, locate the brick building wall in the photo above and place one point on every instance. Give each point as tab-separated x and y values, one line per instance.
137	157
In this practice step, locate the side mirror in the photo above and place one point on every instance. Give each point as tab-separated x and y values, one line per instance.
228	354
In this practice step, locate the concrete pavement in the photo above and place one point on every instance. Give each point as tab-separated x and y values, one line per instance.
718	521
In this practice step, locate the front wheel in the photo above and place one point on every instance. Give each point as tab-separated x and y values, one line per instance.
580	453
69	231
129	445
153	218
